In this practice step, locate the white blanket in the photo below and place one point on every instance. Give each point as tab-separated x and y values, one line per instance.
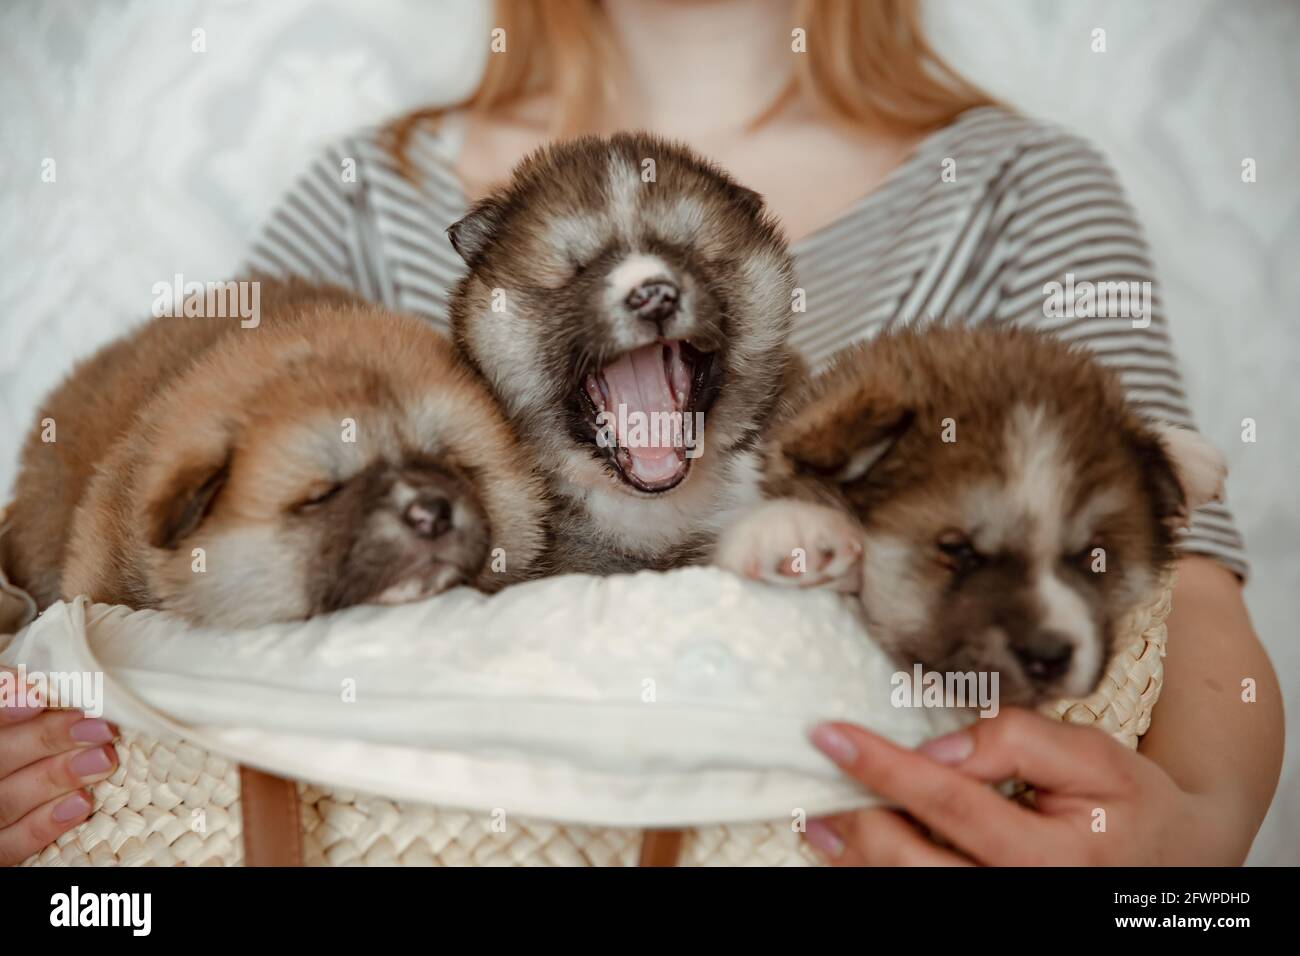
643	700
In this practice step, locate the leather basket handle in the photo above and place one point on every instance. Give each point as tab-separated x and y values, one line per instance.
272	820
660	847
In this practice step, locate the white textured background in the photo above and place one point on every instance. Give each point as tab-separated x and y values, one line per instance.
167	160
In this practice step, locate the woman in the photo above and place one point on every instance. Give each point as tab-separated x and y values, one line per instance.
906	192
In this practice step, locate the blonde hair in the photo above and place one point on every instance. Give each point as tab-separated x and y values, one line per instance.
869	65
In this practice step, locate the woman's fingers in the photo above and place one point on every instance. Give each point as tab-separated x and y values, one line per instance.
47	758
43	781
52	732
11	712
42	826
876	837
965	811
1053	756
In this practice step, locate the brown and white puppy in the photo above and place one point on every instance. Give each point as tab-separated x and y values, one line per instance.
990	495
622	281
333	455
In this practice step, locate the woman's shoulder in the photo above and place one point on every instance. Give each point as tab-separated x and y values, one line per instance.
357	215
997	143
997	127
374	156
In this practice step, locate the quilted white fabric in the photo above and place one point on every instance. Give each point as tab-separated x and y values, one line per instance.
641	700
168	159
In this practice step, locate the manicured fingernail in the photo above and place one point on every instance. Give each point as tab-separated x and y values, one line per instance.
92	731
823	838
91	763
834	743
950	748
73	807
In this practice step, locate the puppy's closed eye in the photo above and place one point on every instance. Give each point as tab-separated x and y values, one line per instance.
1087	555
957	552
317	496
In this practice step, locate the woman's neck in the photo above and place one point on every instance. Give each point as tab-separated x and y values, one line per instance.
696	70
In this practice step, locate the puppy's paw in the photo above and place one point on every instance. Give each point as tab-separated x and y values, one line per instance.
794	544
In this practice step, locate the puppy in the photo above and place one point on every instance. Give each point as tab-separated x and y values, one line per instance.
987	492
333	455
622	295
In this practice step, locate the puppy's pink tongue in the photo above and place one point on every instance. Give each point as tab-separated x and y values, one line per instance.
650	379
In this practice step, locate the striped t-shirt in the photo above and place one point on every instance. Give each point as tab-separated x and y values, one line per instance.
996	217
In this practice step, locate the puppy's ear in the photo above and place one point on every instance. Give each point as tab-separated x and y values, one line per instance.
1197	470
184	497
748	199
843	436
471	233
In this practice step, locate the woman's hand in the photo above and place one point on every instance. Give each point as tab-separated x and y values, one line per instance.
1098	803
47	759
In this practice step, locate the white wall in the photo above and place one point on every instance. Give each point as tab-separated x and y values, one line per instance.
168	158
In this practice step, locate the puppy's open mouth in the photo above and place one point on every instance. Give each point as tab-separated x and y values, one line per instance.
643	408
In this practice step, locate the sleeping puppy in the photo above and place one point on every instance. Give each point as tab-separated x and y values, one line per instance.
988	493
333	455
622	295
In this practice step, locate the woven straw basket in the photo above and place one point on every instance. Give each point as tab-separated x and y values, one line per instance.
173	804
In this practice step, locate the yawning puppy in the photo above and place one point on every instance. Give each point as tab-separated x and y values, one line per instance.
333	455
629	304
988	492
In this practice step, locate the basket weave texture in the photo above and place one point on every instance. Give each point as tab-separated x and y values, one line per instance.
172	804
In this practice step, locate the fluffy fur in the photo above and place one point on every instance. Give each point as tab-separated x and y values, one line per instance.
195	433
617	268
968	483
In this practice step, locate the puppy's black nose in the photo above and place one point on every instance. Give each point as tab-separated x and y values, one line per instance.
429	515
655	301
1045	655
